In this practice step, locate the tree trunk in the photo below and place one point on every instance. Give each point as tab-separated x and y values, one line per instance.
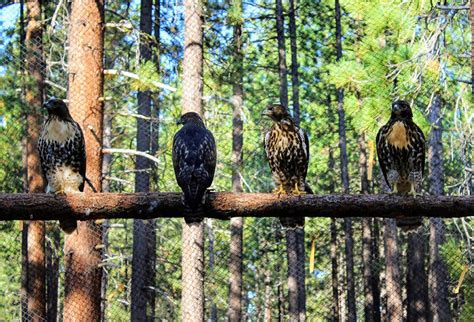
292	257
334	270
280	27
349	246
472	45
235	269
267	315
193	55
375	251
236	224
367	256
392	273
294	65
417	286
300	240
24	271
155	110
52	276
192	302
333	227
301	273
35	252
352	314
143	270
383	279
106	168
83	273
342	286
210	232
437	276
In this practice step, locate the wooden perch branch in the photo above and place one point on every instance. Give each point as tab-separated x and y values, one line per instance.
225	205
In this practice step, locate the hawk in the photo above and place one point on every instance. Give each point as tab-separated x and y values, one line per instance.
62	153
401	154
287	149
194	162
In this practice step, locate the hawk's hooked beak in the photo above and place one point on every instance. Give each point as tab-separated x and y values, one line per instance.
396	107
47	105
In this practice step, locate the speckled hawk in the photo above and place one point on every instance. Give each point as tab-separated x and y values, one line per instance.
287	150
401	154
62	152
194	162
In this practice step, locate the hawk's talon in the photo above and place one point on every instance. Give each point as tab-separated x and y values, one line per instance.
297	191
413	192
394	190
280	190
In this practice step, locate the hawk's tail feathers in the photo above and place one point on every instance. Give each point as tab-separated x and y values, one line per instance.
296	221
191	215
308	189
68	225
409	224
292	222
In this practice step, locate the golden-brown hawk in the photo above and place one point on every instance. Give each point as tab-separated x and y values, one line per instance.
62	152
287	149
401	154
194	162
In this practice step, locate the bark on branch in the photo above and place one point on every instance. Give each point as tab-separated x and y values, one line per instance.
225	205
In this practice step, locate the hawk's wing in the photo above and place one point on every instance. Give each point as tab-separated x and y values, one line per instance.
305	141
383	152
194	162
266	144
79	151
418	148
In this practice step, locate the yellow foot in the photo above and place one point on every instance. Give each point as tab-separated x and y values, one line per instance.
296	190
413	192
279	190
394	190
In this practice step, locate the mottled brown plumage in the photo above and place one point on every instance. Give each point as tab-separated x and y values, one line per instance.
401	154
62	152
194	162
287	149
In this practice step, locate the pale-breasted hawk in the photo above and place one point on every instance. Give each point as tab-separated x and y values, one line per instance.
401	154
62	152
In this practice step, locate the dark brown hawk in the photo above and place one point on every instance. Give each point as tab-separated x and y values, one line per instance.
287	149
62	152
401	154
194	162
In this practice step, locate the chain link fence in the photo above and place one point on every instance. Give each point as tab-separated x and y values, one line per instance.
164	269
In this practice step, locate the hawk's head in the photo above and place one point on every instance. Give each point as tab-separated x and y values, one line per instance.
276	112
401	110
190	118
57	108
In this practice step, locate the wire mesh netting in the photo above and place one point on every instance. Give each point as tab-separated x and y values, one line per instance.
127	71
